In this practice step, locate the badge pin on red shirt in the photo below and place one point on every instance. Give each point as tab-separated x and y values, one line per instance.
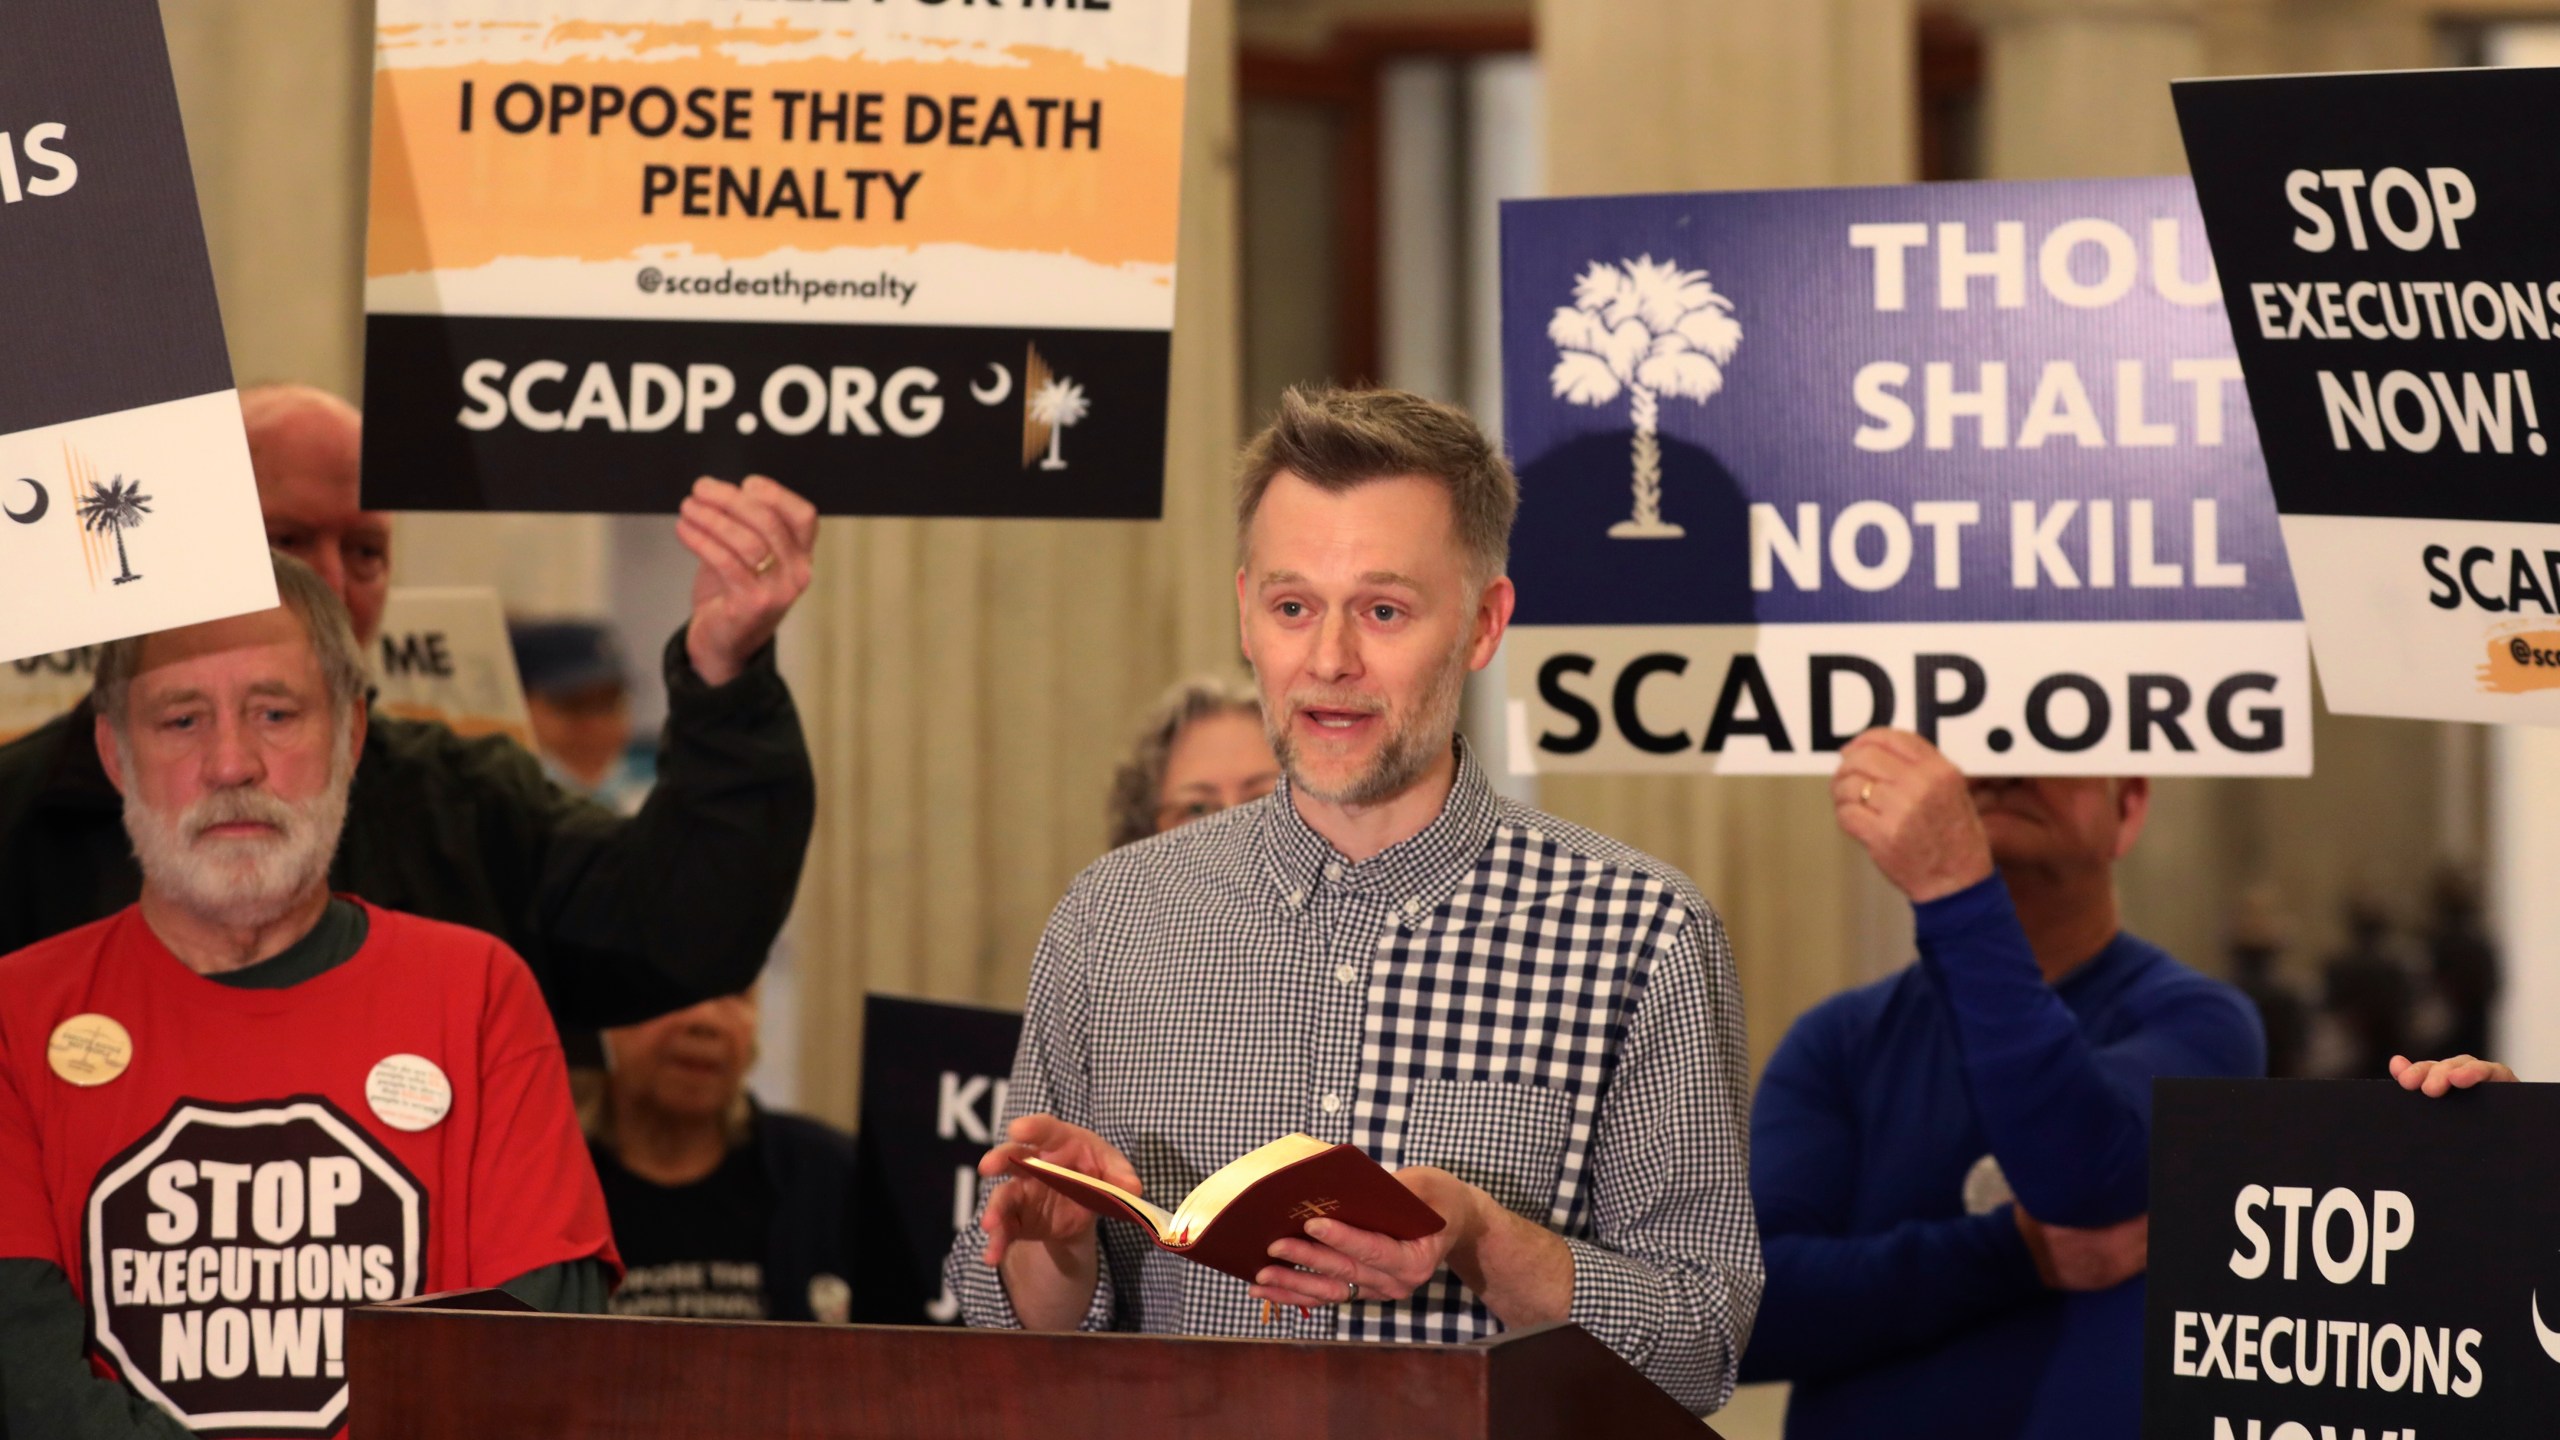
408	1092
89	1049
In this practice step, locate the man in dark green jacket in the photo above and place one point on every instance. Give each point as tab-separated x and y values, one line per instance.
620	919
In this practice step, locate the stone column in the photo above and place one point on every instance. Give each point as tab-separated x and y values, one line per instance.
968	686
1676	95
2279	37
277	101
2081	88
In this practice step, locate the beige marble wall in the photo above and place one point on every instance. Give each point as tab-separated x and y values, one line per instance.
275	95
2081	87
2077	88
1666	95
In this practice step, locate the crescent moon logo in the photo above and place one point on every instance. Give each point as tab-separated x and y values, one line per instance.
32	513
1003	387
2549	1337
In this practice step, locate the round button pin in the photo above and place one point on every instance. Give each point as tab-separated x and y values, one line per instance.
1986	1187
409	1092
830	1299
89	1050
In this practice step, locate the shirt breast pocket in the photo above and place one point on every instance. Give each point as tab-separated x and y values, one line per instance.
1505	1139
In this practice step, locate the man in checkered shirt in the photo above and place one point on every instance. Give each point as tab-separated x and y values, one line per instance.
1536	1028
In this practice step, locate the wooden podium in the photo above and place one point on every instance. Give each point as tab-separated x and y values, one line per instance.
433	1370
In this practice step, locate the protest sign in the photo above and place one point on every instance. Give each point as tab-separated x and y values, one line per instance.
906	257
1971	460
126	502
37	688
443	656
2334	1258
2385	250
933	1088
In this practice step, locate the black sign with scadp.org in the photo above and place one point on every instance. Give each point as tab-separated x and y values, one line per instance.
2341	1258
483	413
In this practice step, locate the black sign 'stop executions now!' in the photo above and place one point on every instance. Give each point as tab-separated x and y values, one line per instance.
2385	249
2343	1257
2384	243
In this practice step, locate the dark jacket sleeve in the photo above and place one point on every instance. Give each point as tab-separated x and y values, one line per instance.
64	858
1838	1301
625	919
46	1386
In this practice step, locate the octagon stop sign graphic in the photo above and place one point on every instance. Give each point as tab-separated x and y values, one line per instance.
224	1248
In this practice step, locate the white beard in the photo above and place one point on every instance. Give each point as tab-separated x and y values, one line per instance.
241	883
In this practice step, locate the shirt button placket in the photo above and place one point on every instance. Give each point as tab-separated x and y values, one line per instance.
1343	1013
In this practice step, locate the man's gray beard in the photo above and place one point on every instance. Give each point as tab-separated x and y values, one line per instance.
241	884
1411	749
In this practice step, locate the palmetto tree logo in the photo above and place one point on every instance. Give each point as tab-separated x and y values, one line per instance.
1059	405
1645	328
1051	405
114	508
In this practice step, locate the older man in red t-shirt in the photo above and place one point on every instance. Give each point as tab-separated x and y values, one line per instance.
240	1106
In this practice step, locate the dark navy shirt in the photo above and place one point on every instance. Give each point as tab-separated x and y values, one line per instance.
1894	1310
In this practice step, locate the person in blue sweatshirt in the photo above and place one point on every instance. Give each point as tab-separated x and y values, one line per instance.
1950	1166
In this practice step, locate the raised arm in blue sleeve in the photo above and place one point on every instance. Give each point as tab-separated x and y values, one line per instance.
2069	1120
1838	1302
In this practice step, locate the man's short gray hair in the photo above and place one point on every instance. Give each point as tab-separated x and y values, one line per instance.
1337	440
302	591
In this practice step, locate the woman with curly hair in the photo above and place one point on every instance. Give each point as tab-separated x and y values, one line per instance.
1200	750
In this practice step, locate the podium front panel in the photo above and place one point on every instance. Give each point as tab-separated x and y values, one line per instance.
420	1373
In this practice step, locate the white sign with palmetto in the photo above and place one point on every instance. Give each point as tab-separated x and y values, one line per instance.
127	504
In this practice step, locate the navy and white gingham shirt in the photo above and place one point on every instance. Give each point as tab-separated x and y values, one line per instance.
1543	1012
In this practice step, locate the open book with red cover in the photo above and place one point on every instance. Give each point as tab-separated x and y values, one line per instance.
1229	1220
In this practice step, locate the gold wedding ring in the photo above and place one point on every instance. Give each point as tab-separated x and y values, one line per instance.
1866	792
765	565
1354	1296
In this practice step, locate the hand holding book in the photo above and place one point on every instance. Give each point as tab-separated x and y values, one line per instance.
1018	1214
1337	1262
1411	1224
1520	1269
1236	1219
